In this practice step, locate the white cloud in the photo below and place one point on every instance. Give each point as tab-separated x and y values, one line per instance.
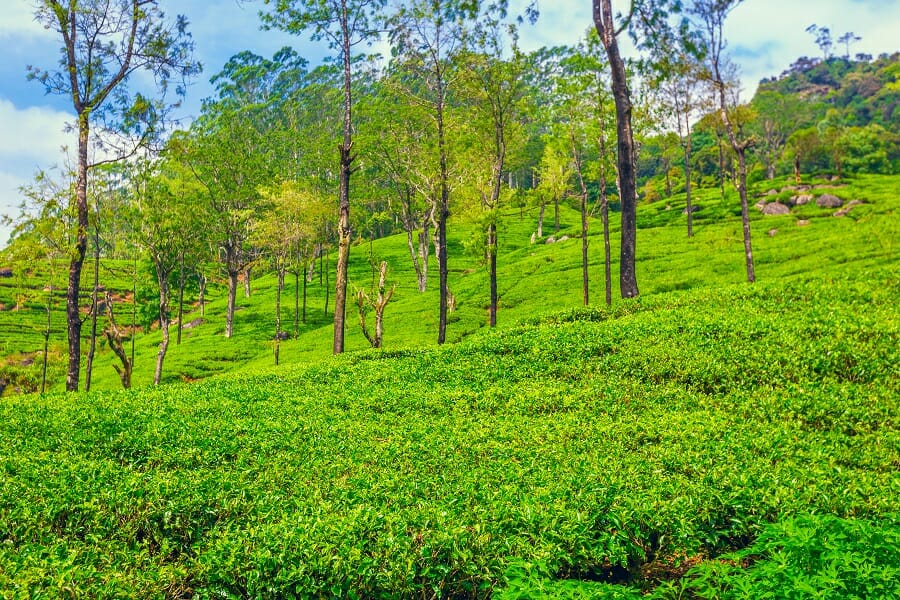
10	198
32	139
17	19
34	133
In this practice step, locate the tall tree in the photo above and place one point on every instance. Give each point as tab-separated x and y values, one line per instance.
403	148
164	214
497	86
104	43
609	27
678	83
428	34
647	21
585	103
345	24
711	15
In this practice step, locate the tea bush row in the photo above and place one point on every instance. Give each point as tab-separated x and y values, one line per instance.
591	443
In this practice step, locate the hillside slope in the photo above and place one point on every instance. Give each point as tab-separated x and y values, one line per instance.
534	279
600	444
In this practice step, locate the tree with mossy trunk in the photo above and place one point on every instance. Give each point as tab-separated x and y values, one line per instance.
345	24
104	43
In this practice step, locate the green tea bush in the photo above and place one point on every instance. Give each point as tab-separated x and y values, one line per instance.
592	443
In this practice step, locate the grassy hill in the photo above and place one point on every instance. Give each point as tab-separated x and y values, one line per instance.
533	279
574	452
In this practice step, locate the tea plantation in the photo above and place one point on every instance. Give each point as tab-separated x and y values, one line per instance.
593	445
717	440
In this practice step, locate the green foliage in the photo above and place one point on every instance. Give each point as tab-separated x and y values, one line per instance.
592	443
810	556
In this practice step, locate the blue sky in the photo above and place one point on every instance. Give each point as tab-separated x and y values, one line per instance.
764	37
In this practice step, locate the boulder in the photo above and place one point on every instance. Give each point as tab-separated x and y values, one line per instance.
773	232
563	238
802	222
191	324
551	240
843	212
695	208
776	208
761	205
6	272
772	193
802	199
829	201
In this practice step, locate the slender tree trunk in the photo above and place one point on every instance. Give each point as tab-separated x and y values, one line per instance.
797	178
383	298
443	215
540	229
47	335
305	281
584	250
603	21
745	216
418	255
687	184
201	295
740	148
247	273
133	311
232	294
327	287
162	277
721	163
492	261
424	241
343	259
114	338
364	302
555	214
576	160
414	255
280	273
180	297
73	291
296	331
604	218
92	347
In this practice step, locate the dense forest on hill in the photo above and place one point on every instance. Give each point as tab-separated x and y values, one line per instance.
837	116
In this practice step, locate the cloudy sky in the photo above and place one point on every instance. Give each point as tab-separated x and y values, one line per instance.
764	37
